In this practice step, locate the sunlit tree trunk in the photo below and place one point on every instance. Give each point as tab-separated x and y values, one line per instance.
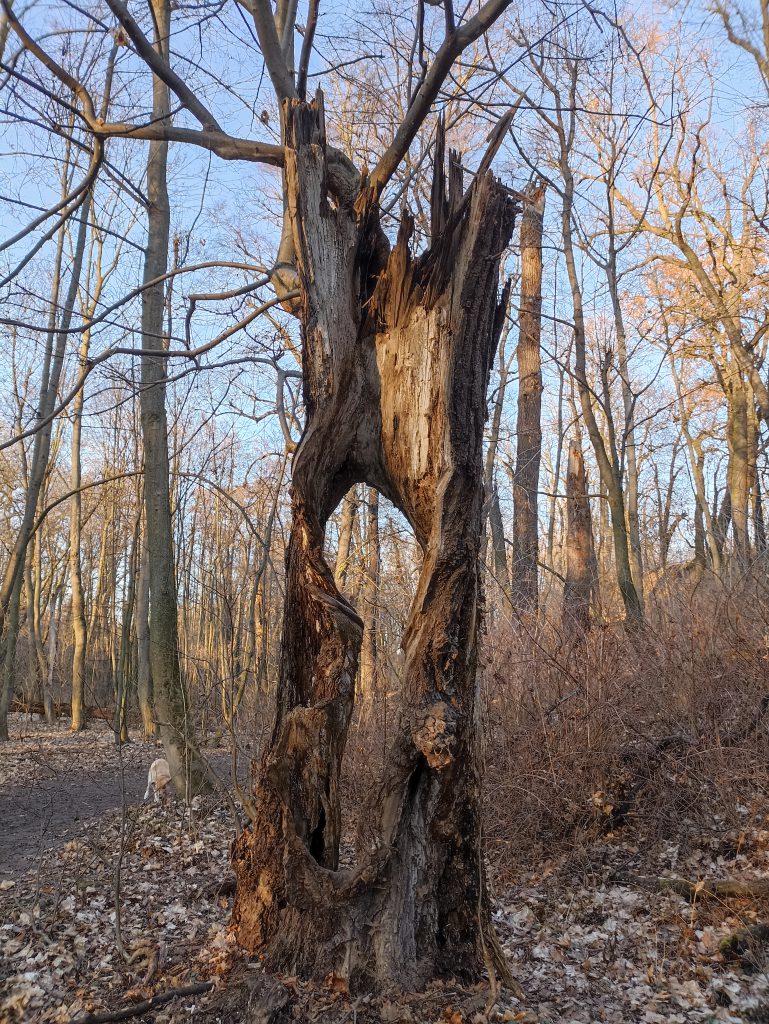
754	475
739	469
172	710
529	428
722	522
628	444
696	464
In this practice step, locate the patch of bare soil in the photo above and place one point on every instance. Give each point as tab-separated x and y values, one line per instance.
53	781
134	908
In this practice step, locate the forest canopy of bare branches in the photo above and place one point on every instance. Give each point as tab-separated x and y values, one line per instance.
383	459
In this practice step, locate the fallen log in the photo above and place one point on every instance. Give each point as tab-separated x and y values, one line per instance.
703	888
61	709
137	1009
716	888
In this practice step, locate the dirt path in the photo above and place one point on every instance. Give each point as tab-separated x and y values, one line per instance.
53	782
50	812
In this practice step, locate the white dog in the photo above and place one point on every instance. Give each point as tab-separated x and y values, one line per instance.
157	779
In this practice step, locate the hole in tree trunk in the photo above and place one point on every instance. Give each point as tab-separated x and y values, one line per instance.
380	559
317	839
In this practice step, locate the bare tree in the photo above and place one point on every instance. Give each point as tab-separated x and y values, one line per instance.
529	429
170	699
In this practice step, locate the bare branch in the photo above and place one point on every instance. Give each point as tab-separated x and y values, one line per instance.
423	100
162	68
281	79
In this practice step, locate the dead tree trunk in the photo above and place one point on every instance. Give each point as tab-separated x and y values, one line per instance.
529	428
396	363
578	588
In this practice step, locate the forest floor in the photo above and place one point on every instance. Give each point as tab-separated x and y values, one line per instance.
106	903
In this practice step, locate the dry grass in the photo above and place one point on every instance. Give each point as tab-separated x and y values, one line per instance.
666	728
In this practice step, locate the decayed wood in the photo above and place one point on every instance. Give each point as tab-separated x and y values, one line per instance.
396	364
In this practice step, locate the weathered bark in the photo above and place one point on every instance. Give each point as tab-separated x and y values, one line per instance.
172	707
493	518
578	588
529	427
396	364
